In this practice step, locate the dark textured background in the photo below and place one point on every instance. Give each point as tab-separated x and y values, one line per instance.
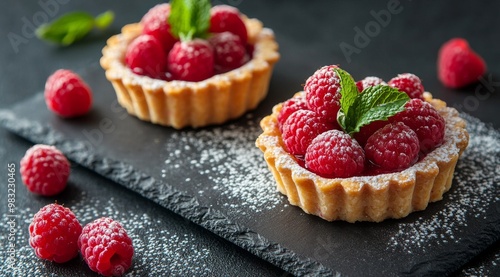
408	43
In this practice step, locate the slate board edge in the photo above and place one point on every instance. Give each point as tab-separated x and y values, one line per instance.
169	198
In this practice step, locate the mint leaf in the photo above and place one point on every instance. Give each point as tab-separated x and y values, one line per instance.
349	92
103	20
189	18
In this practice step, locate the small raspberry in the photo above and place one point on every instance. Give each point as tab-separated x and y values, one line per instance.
224	18
458	64
393	147
229	51
145	56
191	60
408	83
334	154
155	23
301	128
54	233
289	107
44	170
323	92
366	131
66	94
106	247
369	81
425	120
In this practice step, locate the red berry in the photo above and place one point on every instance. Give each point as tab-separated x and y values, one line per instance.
369	81
155	23
301	128
44	170
229	51
393	147
54	233
408	83
145	56
191	60
425	120
323	92
458	64
335	154
106	247
289	107
67	95
367	130
225	18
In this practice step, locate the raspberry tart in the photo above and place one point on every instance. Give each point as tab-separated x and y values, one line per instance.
364	151
178	70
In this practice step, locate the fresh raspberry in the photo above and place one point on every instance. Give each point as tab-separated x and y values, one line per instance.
54	233
301	128
408	83
458	64
224	18
323	92
67	95
366	131
145	56
106	247
334	154
155	23
369	81
425	120
394	147
289	107
44	170
229	51
191	60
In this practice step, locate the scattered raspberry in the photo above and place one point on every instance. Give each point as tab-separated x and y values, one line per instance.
155	23
322	92
191	60
44	170
66	94
425	120
145	56
229	51
334	154
408	83
301	128
289	107
369	81
393	147
106	247
54	233
225	18
366	131
458	64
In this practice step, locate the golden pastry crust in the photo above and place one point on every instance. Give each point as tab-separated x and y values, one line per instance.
366	198
182	104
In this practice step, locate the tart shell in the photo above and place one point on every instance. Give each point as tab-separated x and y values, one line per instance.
366	198
182	104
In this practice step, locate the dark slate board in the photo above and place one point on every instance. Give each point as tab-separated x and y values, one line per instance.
217	178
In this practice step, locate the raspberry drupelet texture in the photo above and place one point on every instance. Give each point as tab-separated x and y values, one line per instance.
393	147
323	92
54	233
229	51
334	154
155	23
289	107
369	81
224	18
106	247
408	83
366	131
67	95
44	170
191	60
145	56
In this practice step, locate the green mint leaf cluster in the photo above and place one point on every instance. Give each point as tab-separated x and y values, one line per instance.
374	103
189	18
72	27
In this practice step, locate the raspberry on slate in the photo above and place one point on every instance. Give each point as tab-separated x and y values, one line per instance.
369	81
106	247
323	92
393	147
301	128
44	170
191	60
289	107
334	154
408	83
425	120
145	56
66	94
229	51
224	18
155	23
54	233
